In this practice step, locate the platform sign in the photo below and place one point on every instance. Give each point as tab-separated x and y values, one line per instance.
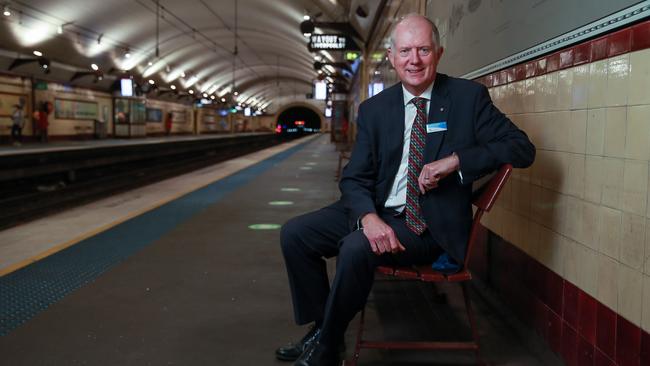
126	87
331	42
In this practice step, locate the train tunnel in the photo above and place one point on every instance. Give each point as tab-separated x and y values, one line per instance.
325	182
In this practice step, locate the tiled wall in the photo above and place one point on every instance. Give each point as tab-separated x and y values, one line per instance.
579	219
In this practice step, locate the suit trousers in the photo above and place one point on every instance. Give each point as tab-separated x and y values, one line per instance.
307	239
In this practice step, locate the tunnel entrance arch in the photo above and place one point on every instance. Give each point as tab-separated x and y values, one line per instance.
298	119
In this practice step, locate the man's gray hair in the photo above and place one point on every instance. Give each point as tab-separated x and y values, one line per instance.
435	35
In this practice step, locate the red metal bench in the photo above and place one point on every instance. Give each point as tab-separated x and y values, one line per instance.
484	200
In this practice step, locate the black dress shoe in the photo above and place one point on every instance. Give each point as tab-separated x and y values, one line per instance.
291	352
319	355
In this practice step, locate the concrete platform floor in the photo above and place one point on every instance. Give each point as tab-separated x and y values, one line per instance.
214	292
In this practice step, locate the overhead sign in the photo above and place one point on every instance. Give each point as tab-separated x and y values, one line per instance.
331	42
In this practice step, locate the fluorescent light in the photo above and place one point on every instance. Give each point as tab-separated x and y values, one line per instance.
182	74
38	53
306	17
307	34
59	29
94	67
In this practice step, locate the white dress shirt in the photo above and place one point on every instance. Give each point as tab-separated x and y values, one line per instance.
397	196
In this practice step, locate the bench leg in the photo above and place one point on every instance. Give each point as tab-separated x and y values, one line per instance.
472	321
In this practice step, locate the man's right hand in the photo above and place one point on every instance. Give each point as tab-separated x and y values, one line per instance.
382	238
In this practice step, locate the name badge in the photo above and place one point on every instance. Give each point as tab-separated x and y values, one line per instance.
436	127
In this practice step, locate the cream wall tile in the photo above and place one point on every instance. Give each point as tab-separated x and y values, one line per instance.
554	170
521	199
635	186
551	96
529	95
597	84
532	239
536	204
580	92
551	250
577	132
596	131
639	78
574	218
518	90
646	256
645	313
611	222
594	178
613	170
608	281
633	243
588	271
618	76
548	121
540	93
508	226
572	257
575	175
615	131
564	89
630	292
560	130
590	234
505	198
637	142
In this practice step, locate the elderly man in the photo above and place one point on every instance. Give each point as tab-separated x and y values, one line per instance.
406	192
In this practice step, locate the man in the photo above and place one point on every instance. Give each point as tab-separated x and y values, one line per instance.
17	122
420	144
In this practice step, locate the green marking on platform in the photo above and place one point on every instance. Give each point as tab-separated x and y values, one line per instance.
290	189
281	203
264	226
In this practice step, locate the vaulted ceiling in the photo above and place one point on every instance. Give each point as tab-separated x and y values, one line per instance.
198	45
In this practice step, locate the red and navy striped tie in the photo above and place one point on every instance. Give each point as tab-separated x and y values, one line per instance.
414	220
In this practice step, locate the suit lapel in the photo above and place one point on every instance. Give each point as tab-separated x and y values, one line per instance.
395	131
438	112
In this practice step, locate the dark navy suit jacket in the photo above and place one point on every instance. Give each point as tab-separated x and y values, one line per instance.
481	136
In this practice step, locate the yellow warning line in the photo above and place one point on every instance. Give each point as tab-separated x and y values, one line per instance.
71	242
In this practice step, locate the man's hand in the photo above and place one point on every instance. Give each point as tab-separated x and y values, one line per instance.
382	238
433	172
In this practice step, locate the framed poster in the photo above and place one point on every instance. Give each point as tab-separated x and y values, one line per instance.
8	101
154	115
179	116
75	109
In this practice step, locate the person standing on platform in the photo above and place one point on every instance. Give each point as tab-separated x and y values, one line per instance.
17	123
405	193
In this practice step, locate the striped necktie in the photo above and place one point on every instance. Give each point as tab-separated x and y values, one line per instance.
414	220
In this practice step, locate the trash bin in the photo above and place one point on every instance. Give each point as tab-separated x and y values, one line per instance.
100	129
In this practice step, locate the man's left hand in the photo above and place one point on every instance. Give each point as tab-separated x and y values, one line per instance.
433	172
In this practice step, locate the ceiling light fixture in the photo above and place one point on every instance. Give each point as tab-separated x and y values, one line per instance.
38	53
151	81
173	87
6	11
182	74
94	67
59	29
191	91
127	54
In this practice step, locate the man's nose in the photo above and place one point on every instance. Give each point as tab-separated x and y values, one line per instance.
415	57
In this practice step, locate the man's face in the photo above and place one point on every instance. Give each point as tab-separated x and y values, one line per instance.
414	55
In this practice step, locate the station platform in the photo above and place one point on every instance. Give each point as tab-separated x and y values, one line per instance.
188	271
69	145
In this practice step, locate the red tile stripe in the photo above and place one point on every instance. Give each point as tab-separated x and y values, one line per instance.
582	331
632	38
